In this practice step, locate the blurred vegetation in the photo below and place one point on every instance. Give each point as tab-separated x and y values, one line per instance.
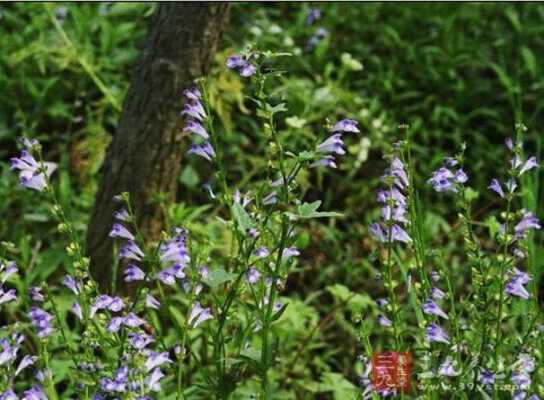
453	72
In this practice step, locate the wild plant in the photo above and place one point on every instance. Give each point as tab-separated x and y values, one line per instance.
194	318
474	331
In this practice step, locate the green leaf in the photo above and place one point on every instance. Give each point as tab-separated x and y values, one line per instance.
277	315
180	319
217	277
351	63
295	122
341	388
242	217
277	108
530	61
251	354
189	177
309	210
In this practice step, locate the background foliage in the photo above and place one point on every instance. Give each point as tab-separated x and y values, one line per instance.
453	72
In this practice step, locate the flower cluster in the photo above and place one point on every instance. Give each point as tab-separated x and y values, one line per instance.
10	345
394	206
6	271
312	15
521	376
195	113
33	174
448	178
334	144
242	65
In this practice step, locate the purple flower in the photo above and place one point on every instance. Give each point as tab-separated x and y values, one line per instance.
194	110
398	234
7	270
384	321
496	187
121	215
382	302
102	302
289	252
450	161
34	393
7	296
116	304
397	172
152	302
333	144
318	36
118	383
437	294
76	309
460	176
447	369
207	187
442	180
529	221
199	315
175	250
262	252
253	275
71	284
203	150
235	61
529	164
131	251
396	215
487	377
346	125
155	359
140	340
9	352
8	395
385	196
118	230
519	395
327	161
509	143
435	276
430	307
521	379
25	362
36	294
270	199
241	65
312	15
133	273
376	230
525	363
247	70
515	287
115	324
511	185
32	174
196	128
152	381
167	276
133	321
41	320
435	333
192	94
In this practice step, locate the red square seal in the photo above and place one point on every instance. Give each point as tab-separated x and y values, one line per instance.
391	371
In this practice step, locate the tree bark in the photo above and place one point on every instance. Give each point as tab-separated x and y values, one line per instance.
144	157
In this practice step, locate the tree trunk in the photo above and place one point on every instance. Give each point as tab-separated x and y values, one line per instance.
144	156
